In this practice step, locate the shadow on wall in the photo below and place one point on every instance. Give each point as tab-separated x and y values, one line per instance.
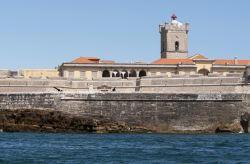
105	73
204	72
142	73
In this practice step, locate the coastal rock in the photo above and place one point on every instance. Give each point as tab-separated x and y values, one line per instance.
245	118
234	127
56	121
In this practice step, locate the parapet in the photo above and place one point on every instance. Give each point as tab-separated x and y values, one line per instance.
174	27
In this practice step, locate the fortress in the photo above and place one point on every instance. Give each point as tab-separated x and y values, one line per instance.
175	93
174	63
174	72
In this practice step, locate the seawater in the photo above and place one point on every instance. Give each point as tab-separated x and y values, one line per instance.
124	148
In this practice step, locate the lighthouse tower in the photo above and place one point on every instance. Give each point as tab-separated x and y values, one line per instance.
174	39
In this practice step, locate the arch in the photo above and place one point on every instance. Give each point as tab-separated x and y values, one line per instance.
177	46
124	74
106	73
203	71
142	73
132	73
116	73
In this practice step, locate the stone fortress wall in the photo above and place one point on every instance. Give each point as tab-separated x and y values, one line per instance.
152	111
201	84
158	104
182	97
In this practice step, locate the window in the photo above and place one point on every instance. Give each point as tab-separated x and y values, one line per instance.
142	73
82	74
94	74
177	46
65	74
124	74
132	73
105	73
116	73
71	74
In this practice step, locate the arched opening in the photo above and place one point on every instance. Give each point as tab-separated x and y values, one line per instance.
142	73
177	46
248	79
105	73
124	74
132	73
204	72
116	73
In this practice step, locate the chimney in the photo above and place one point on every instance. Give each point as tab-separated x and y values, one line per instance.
236	61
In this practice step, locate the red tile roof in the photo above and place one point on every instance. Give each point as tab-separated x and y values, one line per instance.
86	60
198	56
231	62
173	61
94	60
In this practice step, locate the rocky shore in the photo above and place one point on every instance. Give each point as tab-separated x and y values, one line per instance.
56	121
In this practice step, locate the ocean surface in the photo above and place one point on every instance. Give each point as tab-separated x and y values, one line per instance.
124	148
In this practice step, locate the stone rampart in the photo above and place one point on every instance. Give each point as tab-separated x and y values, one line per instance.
157	112
43	85
194	85
191	81
162	85
27	101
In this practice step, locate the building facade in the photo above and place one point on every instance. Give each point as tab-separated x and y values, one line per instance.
174	61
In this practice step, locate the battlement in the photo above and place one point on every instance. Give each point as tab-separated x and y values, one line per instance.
173	27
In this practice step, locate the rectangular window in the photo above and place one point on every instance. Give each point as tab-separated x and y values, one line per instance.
82	74
94	74
71	74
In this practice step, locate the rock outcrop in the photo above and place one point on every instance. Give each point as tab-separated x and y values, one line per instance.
245	118
124	112
234	127
56	121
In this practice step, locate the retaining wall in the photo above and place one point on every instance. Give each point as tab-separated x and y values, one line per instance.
163	85
159	112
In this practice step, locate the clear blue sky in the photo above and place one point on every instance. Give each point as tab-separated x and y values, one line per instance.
45	33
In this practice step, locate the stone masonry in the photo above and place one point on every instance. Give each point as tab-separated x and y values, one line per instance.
174	39
157	112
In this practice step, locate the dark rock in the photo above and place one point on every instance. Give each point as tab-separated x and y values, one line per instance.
245	118
56	121
234	127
